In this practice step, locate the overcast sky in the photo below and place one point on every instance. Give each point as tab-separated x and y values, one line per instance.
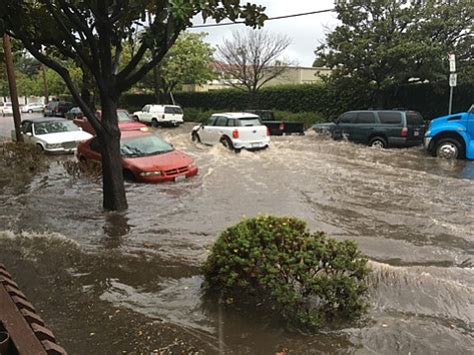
306	32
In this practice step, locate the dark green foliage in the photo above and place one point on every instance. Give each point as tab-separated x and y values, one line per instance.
328	100
308	118
307	278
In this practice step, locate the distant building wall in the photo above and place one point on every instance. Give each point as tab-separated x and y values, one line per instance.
292	75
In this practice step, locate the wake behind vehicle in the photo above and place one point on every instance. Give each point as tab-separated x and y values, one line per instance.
277	127
52	135
160	115
235	130
145	158
379	128
125	121
452	136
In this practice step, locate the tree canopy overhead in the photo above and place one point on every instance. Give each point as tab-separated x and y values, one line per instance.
93	33
386	43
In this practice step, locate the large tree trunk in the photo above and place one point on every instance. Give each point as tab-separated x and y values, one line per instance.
112	173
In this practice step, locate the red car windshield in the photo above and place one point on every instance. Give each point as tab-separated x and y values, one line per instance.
144	146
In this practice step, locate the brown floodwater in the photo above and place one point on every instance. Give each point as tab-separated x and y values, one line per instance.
109	283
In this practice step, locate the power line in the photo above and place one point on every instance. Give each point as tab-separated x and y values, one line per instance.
268	19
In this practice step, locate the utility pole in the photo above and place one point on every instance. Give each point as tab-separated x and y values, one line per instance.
7	48
45	84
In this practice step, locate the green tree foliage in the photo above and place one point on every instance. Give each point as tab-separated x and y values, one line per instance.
187	62
307	278
387	43
93	34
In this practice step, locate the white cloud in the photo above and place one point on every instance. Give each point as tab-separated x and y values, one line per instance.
306	32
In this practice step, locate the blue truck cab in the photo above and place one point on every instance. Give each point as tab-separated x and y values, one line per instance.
452	136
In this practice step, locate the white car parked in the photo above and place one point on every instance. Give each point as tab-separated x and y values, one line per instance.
32	107
7	109
235	130
160	115
53	135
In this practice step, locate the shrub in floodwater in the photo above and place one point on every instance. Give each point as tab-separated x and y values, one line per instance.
309	279
78	169
22	156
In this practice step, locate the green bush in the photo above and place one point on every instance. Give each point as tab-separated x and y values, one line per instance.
307	278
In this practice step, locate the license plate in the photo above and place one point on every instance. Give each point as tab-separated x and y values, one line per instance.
180	178
254	145
416	133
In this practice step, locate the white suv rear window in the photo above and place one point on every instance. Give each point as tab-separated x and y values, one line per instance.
249	122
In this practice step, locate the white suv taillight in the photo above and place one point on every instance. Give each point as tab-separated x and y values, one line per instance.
268	131
235	133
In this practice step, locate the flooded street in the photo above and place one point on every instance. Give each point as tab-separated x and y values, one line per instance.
108	283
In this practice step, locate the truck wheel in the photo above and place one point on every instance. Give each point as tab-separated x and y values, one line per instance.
378	142
448	148
39	147
136	118
195	137
154	122
226	142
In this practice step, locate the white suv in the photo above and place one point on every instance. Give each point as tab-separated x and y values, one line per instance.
160	115
235	130
7	109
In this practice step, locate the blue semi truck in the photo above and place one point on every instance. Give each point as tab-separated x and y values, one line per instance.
452	136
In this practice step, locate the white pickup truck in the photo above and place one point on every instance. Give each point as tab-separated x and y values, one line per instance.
235	130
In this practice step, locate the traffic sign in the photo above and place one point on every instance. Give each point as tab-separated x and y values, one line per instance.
452	63
453	78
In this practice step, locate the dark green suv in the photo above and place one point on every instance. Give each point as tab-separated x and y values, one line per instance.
381	128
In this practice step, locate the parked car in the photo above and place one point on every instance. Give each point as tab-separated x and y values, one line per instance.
276	127
145	157
452	136
32	107
73	113
52	135
235	130
160	115
125	122
57	108
7	109
380	128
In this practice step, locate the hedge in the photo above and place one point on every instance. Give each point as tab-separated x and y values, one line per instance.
429	99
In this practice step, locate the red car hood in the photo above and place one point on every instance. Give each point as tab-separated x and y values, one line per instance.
165	161
130	125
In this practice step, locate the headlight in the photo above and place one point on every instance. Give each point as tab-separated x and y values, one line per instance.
53	146
428	133
150	173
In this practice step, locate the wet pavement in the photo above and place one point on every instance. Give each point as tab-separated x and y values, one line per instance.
110	283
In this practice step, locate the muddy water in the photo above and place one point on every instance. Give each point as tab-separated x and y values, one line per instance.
112	283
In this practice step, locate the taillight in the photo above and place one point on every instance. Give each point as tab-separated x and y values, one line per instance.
404	132
282	126
268	131
235	133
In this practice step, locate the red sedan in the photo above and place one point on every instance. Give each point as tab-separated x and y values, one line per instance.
145	157
125	122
